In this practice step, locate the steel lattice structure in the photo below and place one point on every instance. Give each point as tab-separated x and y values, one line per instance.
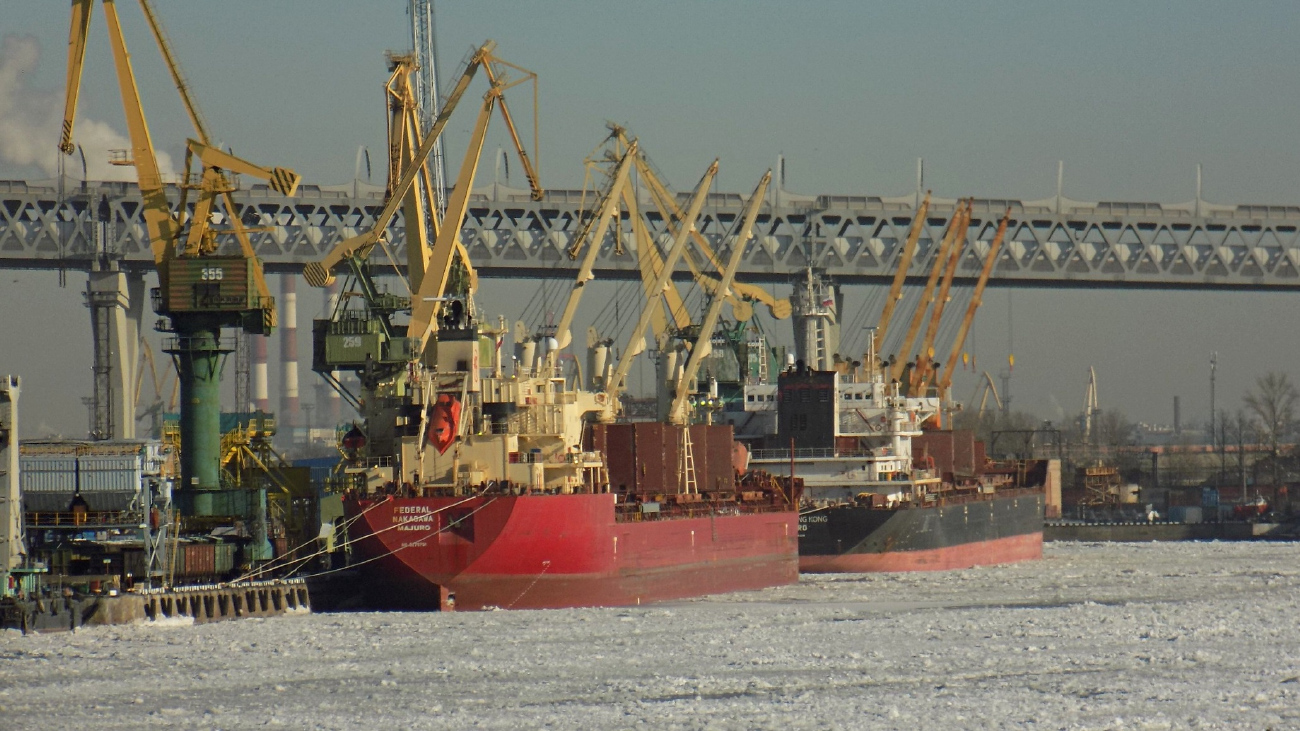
856	239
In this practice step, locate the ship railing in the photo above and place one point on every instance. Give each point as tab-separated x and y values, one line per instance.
948	498
88	519
811	453
560	458
634	512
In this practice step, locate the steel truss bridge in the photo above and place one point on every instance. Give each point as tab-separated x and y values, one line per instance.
97	228
1056	242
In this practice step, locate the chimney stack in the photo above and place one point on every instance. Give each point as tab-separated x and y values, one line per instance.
289	406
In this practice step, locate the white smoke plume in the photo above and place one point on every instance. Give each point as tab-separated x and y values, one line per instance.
31	120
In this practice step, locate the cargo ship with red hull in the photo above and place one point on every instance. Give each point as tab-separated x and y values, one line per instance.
553	551
507	492
883	494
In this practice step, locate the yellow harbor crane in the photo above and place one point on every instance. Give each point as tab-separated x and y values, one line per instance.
200	290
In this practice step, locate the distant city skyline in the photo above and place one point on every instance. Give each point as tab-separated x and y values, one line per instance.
1130	97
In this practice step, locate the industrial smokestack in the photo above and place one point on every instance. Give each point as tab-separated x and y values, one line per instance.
289	406
261	389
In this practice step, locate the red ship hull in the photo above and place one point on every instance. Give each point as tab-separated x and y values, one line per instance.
555	551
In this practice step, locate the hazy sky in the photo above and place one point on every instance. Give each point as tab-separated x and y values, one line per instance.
1130	95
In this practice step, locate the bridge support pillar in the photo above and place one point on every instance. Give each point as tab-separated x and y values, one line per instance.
116	302
12	543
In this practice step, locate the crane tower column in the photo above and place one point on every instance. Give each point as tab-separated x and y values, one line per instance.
199	355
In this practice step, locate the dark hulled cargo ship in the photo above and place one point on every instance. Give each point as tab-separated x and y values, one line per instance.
960	533
881	494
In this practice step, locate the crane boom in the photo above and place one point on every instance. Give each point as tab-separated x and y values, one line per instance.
419	206
636	342
427	300
925	354
320	274
678	413
282	180
900	276
983	390
668	207
990	260
156	209
904	353
77	35
174	68
607	208
650	263
534	183
666	202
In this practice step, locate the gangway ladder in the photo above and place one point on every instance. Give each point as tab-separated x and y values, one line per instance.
688	463
762	359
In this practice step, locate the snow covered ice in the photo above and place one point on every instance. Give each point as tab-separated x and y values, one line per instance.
1144	636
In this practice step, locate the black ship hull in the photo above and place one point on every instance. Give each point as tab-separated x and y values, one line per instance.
947	534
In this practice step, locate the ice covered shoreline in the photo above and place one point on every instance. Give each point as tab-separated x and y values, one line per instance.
1161	635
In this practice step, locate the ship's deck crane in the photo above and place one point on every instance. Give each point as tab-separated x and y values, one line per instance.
666	202
636	341
678	412
900	276
925	362
592	234
650	263
990	260
199	292
927	296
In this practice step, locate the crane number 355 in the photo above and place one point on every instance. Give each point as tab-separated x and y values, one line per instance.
212	274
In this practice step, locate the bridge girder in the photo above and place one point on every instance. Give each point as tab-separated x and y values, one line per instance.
856	239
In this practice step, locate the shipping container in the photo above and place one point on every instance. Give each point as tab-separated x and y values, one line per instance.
200	560
135	562
225	558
